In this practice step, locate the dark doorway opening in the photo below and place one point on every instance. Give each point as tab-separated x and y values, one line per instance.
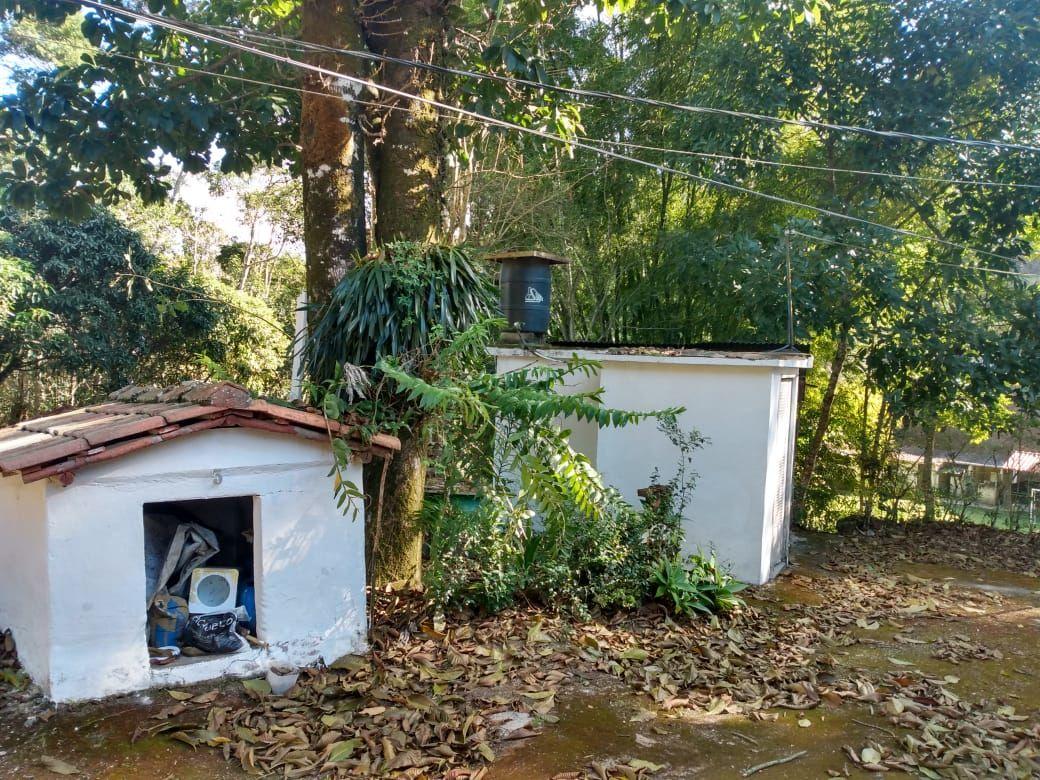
183	536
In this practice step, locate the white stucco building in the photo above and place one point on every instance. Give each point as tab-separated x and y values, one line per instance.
744	403
82	492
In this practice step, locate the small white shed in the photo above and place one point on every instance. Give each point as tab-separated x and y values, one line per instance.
82	492
744	402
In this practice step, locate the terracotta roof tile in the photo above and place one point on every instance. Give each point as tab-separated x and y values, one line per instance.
52	423
13	438
175	413
113	427
137	417
174	392
33	454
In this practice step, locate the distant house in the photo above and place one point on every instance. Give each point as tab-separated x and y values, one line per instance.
1002	471
91	505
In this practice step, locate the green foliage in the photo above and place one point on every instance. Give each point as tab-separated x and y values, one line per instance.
548	527
698	585
400	301
516	451
474	559
658	258
102	322
673	496
485	559
248	343
87	308
24	330
569	558
536	537
86	132
832	493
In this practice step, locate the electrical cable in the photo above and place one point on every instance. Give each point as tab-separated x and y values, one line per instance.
630	145
821	168
271	39
981	268
171	25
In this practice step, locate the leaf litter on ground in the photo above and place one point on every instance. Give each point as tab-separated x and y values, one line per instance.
429	702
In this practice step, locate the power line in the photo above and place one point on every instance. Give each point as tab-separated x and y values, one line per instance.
599	94
822	168
171	25
300	90
626	144
982	268
225	76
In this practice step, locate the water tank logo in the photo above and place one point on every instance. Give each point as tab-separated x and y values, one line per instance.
533	296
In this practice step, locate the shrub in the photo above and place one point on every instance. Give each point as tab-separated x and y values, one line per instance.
698	585
473	560
403	344
560	553
477	558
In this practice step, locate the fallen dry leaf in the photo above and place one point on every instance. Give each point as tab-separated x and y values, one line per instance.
57	766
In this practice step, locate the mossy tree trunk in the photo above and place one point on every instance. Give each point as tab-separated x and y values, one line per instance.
409	163
398	157
331	149
393	539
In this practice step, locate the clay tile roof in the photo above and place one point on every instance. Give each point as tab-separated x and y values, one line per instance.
136	417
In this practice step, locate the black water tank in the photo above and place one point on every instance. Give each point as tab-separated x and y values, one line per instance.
525	283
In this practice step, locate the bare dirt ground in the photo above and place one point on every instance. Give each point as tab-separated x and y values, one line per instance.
912	650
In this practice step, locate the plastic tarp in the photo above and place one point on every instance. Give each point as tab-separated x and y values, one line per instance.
192	545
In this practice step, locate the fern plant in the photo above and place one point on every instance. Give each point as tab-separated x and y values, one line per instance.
570	536
395	303
519	454
404	346
404	302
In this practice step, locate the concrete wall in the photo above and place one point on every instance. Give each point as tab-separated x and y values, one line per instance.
308	559
24	602
740	506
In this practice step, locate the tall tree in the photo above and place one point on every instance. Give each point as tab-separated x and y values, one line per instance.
371	173
75	311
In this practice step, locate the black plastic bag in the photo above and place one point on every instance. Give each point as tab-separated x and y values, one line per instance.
213	633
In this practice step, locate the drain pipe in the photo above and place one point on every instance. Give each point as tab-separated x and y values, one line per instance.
299	345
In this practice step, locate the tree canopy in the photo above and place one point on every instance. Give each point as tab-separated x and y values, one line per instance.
911	287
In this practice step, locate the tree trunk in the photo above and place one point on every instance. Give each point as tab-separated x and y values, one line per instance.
874	459
805	474
927	491
247	257
409	169
410	178
406	170
331	149
393	538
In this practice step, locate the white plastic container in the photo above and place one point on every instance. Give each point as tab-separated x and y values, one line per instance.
282	680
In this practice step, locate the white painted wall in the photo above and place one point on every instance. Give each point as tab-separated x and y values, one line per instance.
732	400
24	602
309	559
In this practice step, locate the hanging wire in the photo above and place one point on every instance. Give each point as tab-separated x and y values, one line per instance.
176	27
580	92
821	168
980	268
231	77
625	144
